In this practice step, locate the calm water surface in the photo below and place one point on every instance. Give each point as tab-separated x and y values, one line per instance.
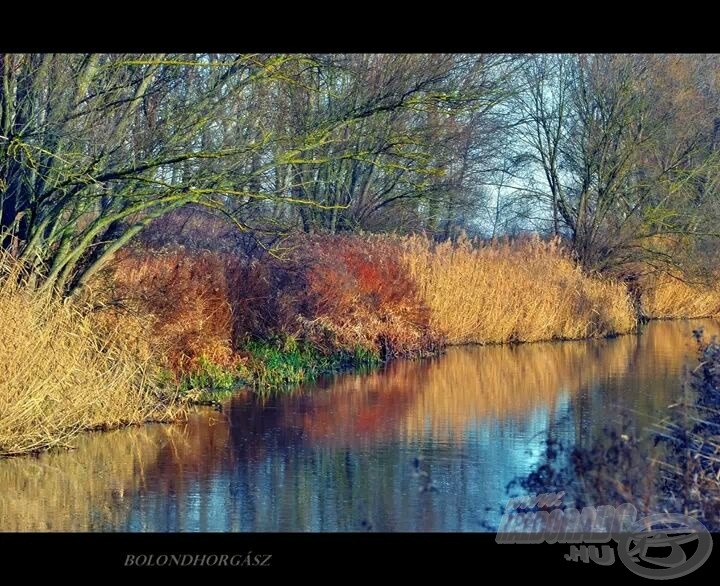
338	455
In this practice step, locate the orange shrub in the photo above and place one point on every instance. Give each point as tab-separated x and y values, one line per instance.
360	291
189	296
340	293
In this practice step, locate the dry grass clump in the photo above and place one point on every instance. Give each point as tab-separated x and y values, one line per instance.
63	371
521	291
665	297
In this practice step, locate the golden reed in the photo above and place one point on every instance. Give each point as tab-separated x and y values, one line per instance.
669	298
524	291
63	370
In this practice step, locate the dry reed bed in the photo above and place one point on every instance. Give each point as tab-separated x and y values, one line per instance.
63	371
383	295
524	291
669	298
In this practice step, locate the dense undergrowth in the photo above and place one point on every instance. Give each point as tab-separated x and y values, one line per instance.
168	320
332	302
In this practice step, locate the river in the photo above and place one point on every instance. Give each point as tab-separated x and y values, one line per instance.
427	445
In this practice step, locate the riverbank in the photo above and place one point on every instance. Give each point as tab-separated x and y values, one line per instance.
172	325
347	301
373	297
64	371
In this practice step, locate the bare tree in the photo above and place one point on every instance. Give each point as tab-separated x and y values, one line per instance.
606	135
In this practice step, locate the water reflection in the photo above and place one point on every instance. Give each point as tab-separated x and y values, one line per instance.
339	455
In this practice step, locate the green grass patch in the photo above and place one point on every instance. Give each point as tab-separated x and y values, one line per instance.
280	364
286	363
211	382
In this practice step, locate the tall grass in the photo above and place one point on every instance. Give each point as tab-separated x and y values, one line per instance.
63	371
669	298
522	291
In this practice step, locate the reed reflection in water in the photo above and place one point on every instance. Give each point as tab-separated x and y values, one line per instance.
339	455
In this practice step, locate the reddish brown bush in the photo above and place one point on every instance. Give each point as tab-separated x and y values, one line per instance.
189	296
340	293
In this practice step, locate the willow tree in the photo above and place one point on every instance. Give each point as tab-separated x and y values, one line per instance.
94	147
402	136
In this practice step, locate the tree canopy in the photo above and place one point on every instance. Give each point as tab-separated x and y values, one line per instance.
616	153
